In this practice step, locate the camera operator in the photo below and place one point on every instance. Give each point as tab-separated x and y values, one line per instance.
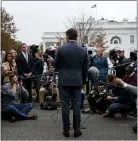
48	88
129	88
37	70
123	100
118	59
133	58
96	99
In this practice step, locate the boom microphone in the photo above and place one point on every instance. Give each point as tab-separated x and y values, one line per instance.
93	74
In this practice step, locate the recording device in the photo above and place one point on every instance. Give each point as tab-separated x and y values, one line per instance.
90	52
50	104
34	49
19	79
113	55
49	52
93	74
98	97
133	55
102	95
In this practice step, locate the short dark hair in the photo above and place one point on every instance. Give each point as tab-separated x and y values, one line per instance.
72	34
22	44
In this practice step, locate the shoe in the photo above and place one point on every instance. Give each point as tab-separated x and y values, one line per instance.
13	119
41	106
135	127
124	116
77	133
107	115
71	107
32	116
66	133
87	112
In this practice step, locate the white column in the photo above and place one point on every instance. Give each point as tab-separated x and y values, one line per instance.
44	46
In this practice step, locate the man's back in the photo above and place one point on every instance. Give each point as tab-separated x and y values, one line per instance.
72	64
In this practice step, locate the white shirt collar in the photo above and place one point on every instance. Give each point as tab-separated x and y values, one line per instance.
25	55
72	41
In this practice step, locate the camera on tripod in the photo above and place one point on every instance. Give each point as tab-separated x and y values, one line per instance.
34	49
113	54
50	103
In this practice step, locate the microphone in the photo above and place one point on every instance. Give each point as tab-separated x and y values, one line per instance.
93	74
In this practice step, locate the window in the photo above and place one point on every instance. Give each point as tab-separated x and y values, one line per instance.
131	39
115	40
48	44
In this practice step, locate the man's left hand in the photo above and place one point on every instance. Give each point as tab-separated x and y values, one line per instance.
109	98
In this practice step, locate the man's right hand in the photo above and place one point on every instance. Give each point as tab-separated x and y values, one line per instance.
118	81
26	75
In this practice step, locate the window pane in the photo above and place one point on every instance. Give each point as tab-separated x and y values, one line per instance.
48	44
115	41
132	39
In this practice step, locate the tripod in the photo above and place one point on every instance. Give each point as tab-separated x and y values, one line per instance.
58	112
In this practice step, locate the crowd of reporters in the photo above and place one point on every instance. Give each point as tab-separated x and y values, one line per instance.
22	72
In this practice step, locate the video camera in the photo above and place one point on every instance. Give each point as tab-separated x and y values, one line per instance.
133	55
113	54
49	52
34	49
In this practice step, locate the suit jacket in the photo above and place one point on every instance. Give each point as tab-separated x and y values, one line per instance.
72	63
22	65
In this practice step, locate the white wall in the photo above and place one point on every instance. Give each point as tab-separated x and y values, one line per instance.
120	29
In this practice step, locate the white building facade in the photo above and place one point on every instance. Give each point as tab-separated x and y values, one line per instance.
118	34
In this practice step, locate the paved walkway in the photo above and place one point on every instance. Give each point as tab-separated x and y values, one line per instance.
45	128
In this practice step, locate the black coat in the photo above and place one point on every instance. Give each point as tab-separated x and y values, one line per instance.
22	65
38	67
120	70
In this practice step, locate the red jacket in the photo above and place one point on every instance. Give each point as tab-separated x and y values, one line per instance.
132	80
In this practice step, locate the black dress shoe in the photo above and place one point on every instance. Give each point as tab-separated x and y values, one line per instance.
13	119
66	133
124	116
77	133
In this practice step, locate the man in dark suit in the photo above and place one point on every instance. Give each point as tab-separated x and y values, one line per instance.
24	63
71	61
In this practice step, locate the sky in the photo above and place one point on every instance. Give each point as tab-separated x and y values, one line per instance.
32	18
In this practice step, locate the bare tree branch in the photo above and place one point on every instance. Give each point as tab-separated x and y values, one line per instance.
88	32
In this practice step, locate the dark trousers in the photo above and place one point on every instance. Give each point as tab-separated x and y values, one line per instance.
74	94
82	100
18	111
28	86
119	108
